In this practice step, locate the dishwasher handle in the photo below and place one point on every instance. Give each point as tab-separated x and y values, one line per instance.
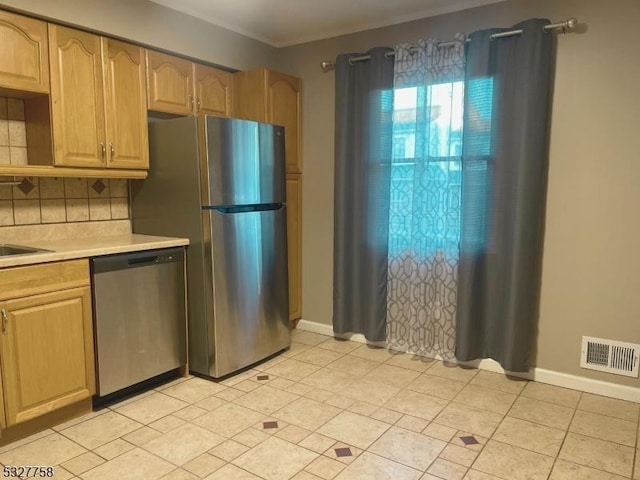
124	261
139	261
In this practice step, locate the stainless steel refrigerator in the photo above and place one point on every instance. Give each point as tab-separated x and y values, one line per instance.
221	183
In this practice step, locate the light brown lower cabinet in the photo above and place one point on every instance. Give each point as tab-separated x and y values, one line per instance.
3	422
46	345
294	244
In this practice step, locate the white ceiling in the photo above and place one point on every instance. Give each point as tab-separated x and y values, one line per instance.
288	22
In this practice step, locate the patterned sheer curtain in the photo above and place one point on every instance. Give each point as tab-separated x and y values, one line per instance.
425	201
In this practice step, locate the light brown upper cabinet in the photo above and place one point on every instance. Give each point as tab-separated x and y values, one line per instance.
126	105
267	96
77	98
23	50
178	86
97	101
213	90
169	83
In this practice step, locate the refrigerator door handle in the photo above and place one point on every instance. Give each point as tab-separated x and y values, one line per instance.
231	209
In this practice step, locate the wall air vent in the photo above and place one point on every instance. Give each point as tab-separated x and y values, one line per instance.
610	356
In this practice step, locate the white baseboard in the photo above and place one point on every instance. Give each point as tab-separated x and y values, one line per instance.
325	329
316	327
574	382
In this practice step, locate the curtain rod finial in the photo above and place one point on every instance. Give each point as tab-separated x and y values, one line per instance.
572	23
327	65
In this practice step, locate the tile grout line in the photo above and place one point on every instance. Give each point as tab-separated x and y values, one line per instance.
490	437
449	402
636	458
13	209
564	438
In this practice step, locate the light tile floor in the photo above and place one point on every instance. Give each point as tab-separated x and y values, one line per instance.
330	409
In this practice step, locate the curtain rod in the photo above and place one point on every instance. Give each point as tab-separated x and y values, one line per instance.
565	26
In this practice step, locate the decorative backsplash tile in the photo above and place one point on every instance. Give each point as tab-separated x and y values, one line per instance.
97	188
60	200
13	132
27	188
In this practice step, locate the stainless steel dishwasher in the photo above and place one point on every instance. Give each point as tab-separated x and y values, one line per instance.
139	316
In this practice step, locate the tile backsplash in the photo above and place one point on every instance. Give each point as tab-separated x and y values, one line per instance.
61	200
51	200
13	132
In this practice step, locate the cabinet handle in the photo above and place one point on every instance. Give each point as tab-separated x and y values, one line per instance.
113	150
5	321
103	151
197	104
191	101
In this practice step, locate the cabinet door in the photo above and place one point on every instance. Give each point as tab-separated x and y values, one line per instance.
3	422
294	241
77	100
213	90
283	99
169	83
249	95
47	353
23	49
126	105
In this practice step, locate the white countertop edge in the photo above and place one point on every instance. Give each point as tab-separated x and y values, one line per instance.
70	249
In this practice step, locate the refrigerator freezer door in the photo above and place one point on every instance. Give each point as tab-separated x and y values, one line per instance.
249	253
245	162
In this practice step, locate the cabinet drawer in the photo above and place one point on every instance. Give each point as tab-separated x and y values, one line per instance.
19	282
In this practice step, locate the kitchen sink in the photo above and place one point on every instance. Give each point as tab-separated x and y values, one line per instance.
6	250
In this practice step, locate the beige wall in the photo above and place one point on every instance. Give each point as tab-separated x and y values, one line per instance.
152	24
591	265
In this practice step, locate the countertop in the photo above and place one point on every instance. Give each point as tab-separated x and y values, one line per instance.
68	249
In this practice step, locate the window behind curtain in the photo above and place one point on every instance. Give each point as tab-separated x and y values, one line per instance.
426	170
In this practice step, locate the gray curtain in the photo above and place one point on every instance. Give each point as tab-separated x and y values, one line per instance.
364	106
505	160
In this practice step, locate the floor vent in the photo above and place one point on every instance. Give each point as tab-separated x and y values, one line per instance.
610	356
